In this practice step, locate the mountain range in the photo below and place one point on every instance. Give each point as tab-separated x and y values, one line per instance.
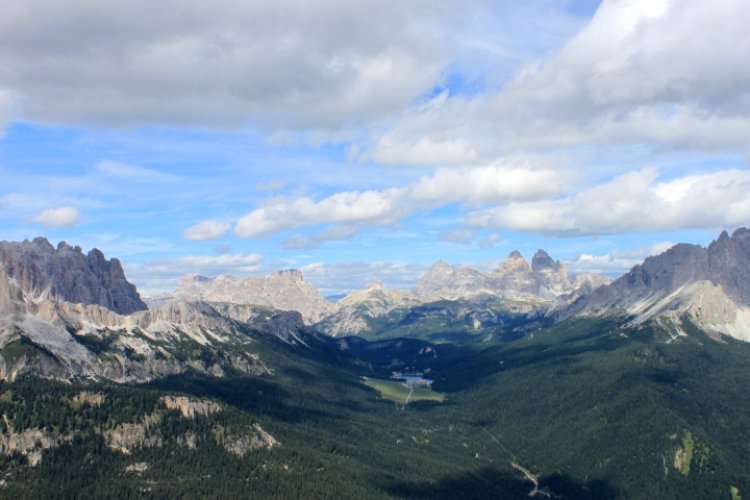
571	387
66	302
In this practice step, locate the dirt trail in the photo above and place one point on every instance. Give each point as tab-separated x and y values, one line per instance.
411	391
531	477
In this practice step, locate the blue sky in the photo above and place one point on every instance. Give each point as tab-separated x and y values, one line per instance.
366	140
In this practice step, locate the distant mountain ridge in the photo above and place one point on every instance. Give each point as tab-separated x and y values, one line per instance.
355	311
66	314
545	279
460	299
283	290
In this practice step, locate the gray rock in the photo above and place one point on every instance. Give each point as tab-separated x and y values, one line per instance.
65	273
544	281
711	284
282	290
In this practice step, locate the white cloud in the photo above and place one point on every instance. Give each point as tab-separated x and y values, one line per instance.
459	236
660	73
7	109
206	230
133	172
503	181
616	262
332	233
347	207
489	242
58	217
506	180
636	201
235	261
288	64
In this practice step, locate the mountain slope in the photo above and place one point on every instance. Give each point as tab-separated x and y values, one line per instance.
711	285
60	317
357	312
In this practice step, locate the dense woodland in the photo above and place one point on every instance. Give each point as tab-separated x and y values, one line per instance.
592	409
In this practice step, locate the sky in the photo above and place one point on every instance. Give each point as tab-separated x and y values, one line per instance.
363	140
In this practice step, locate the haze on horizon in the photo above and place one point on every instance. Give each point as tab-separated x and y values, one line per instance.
366	140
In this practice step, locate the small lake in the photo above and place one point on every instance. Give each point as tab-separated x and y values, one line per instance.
412	378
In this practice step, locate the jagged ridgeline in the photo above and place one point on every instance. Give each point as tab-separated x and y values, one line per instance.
517	381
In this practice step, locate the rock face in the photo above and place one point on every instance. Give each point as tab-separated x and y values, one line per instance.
544	280
143	431
64	315
64	273
711	285
283	290
443	282
359	308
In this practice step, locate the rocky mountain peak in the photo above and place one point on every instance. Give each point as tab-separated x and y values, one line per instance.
376	285
711	284
542	260
285	290
514	264
66	274
291	274
440	267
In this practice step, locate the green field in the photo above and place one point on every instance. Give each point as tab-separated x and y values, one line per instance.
398	392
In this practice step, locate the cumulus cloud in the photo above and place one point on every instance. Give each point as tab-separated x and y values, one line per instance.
616	262
349	207
636	201
504	181
654	72
501	182
58	217
206	230
288	64
7	109
658	72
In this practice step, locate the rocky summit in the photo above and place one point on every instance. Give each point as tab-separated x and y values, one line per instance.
544	280
65	273
283	290
355	313
709	284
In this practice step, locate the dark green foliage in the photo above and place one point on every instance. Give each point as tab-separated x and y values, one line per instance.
592	409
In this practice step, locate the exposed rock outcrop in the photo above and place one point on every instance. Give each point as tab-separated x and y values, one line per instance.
254	438
283	290
190	407
64	273
359	308
543	281
710	284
